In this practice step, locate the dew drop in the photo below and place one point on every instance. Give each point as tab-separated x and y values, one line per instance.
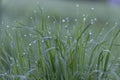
31	17
24	53
7	26
95	19
92	8
77	5
36	62
25	35
76	20
90	33
30	44
48	16
49	32
92	21
91	40
42	41
84	19
11	58
63	20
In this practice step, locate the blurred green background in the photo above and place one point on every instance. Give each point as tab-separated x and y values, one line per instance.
13	10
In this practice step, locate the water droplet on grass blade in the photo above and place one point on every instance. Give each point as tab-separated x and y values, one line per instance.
7	26
95	19
92	8
84	19
91	40
36	62
24	53
30	44
76	20
25	35
90	33
49	32
42	41
92	21
48	16
63	20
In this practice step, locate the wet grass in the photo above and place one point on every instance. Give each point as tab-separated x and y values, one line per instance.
44	47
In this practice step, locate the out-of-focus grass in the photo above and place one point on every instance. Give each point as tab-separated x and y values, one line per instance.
63	8
103	12
59	41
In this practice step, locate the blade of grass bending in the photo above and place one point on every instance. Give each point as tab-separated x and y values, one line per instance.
108	54
93	51
109	32
83	31
100	59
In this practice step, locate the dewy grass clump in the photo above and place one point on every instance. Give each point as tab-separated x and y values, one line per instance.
55	50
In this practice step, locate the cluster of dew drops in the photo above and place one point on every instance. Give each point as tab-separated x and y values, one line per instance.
64	20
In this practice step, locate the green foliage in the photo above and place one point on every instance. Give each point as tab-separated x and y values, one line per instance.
52	51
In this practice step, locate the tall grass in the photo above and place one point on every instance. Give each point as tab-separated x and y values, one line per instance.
52	51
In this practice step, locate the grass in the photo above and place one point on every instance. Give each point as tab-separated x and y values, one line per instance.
52	48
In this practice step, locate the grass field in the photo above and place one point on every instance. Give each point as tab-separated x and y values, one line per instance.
60	41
